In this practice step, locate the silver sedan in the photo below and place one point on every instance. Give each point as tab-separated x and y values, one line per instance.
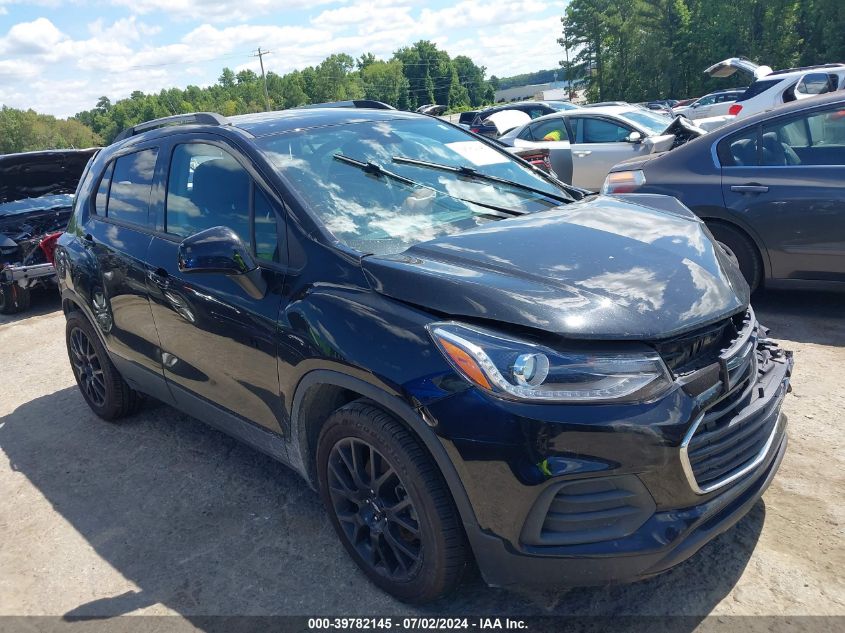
584	144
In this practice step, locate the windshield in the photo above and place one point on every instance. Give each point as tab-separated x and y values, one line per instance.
653	122
390	205
561	105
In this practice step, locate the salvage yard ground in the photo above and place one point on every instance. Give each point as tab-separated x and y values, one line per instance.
161	514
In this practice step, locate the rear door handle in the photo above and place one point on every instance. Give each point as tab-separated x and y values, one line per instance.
159	278
582	152
749	188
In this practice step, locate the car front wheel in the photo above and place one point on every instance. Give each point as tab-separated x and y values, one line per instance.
389	504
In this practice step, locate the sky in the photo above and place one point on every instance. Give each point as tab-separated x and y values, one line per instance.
58	57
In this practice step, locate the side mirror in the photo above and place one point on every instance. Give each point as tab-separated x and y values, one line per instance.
694	105
220	250
634	137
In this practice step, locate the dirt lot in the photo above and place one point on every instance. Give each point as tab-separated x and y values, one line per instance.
160	514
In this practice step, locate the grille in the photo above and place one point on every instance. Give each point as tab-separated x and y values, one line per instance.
588	511
733	432
694	350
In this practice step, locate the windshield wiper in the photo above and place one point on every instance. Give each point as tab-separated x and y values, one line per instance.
369	167
471	172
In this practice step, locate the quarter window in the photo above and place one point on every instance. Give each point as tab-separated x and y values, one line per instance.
131	184
739	150
102	197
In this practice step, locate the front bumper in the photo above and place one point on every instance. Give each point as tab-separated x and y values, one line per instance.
511	478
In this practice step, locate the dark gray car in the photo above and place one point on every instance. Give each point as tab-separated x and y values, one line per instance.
771	188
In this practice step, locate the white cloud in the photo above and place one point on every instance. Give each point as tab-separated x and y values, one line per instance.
216	10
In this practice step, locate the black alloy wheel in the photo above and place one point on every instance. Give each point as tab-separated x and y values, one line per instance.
87	367
102	386
389	503
374	509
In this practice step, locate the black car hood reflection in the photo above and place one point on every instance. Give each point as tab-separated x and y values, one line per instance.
601	268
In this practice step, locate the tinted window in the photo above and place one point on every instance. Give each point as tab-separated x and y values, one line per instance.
589	130
206	187
103	191
131	183
553	130
758	87
810	139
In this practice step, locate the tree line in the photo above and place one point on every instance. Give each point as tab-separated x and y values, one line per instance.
635	50
413	76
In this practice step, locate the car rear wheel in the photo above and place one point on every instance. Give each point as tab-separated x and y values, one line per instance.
389	504
741	251
13	298
101	385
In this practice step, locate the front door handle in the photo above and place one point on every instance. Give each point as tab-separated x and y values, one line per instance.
749	188
582	152
159	278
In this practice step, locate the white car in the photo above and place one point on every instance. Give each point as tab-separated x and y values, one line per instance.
773	88
710	105
584	144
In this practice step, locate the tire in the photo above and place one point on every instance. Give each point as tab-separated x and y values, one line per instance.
101	385
421	550
14	298
741	250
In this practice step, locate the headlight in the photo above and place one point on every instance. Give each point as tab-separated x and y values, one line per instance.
521	370
623	181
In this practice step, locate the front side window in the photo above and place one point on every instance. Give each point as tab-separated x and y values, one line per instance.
383	186
131	184
207	187
709	99
590	130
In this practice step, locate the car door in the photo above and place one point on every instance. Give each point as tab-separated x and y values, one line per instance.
599	144
701	109
553	135
117	234
219	344
790	185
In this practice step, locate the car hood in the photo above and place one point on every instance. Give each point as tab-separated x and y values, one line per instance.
602	268
37	174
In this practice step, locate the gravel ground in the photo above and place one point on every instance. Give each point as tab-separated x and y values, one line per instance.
160	514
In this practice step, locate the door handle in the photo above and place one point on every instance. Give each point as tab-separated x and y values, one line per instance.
582	152
159	278
749	188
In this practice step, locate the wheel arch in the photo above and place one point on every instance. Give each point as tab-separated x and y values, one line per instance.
760	248
322	391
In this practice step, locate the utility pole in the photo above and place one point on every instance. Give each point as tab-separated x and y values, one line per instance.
260	55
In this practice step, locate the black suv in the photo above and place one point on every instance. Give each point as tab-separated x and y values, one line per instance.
465	360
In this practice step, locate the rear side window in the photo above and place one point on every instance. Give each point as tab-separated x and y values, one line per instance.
554	130
131	183
740	150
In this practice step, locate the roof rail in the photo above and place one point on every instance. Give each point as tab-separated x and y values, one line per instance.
193	118
799	68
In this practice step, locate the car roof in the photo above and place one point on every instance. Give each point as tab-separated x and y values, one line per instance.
264	123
